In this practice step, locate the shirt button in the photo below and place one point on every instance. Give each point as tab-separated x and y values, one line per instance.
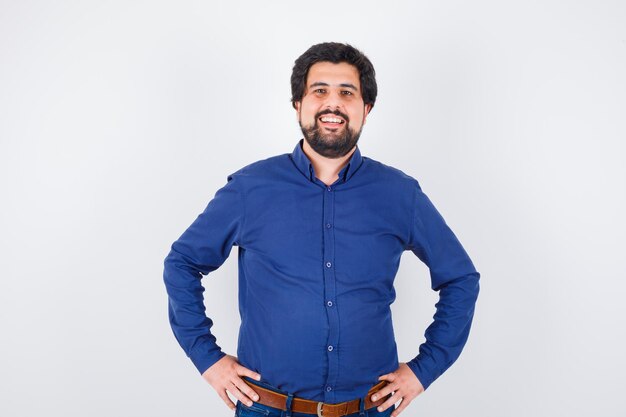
328	388
328	225
329	189
330	348
328	264
329	303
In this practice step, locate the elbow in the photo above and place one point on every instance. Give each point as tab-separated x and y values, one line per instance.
466	286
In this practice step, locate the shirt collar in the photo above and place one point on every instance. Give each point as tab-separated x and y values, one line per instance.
303	163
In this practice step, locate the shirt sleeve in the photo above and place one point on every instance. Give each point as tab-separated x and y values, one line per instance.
201	249
454	276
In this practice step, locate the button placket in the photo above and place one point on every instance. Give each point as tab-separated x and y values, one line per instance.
330	293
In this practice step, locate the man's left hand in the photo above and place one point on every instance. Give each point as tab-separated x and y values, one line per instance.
405	386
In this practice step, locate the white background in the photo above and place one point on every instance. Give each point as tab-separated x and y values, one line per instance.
120	120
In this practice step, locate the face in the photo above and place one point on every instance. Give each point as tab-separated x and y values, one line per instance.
332	113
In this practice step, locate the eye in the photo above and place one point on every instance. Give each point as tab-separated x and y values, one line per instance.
319	90
348	93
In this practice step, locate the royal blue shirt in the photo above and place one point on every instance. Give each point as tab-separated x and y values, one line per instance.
316	275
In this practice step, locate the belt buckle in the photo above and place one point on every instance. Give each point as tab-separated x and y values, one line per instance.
319	409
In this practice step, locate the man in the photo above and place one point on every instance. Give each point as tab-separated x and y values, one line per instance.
320	233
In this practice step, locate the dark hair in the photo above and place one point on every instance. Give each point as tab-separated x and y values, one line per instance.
334	52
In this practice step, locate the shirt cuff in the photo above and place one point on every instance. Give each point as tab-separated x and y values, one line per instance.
204	356
425	368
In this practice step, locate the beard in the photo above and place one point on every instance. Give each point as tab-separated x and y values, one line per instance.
330	144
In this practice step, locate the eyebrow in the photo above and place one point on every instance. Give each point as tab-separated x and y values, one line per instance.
347	85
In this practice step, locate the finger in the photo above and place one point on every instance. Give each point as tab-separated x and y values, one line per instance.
387	389
226	399
246	389
391	400
242	370
380	393
388	377
233	389
403	404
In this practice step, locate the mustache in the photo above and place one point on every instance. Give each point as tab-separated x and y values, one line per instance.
335	112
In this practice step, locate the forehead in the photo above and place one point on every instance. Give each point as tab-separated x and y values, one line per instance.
332	73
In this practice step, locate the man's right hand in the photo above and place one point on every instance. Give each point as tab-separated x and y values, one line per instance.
225	375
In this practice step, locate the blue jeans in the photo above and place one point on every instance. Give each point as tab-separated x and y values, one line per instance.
261	410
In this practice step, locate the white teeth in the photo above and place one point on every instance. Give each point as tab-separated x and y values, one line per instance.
331	119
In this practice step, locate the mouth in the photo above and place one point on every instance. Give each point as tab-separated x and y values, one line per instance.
331	121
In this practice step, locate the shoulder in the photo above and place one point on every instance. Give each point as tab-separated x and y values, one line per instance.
389	174
261	169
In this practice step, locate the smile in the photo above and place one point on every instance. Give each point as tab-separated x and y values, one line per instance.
331	122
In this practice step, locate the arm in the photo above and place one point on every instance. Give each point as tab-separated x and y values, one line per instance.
201	249
454	276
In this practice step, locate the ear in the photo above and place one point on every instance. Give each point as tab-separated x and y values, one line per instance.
297	104
366	109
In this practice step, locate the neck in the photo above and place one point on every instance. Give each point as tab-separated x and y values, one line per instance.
326	169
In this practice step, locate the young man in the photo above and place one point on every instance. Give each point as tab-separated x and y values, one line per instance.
320	233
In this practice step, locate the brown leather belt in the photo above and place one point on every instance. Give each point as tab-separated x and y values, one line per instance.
301	405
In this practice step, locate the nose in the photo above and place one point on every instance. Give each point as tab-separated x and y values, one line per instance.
333	101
